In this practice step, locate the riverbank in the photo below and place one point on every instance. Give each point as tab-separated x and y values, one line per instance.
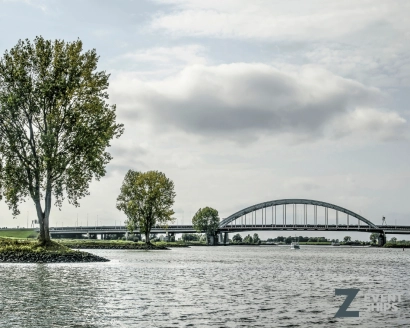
117	244
391	245
23	251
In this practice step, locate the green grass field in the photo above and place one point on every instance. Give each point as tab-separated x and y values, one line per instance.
18	233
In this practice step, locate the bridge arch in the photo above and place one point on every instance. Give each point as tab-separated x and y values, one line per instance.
256	207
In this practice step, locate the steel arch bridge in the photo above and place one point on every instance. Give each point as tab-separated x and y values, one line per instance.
225	223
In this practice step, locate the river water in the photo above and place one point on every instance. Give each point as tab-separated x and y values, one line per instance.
238	286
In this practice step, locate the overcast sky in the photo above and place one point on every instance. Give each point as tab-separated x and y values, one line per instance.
240	102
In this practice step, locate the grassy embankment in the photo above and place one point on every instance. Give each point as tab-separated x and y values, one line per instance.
21	234
397	245
18	233
18	250
117	244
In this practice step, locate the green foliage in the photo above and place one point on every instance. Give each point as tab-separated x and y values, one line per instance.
374	237
393	240
256	239
315	243
347	238
248	239
55	124
398	244
237	238
19	233
206	220
190	237
15	245
146	199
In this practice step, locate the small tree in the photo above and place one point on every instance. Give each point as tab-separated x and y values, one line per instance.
256	239
237	238
146	199
55	125
206	220
248	239
374	237
347	239
393	240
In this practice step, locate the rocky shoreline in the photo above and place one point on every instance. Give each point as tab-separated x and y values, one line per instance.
48	257
24	251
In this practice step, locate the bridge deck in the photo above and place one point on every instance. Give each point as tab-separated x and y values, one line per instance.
235	228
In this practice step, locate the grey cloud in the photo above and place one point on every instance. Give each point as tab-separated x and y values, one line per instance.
243	101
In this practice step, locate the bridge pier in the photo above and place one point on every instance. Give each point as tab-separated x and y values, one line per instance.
220	238
212	240
170	236
382	239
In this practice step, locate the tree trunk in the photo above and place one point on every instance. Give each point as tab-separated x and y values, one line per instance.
43	218
147	237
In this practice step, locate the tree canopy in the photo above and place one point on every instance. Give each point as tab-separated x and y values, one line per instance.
256	238
237	238
55	124
146	199
206	220
374	237
248	239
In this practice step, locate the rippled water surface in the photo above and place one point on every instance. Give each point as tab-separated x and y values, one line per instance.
207	287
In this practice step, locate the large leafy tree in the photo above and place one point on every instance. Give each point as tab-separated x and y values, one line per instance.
206	220
55	125
146	199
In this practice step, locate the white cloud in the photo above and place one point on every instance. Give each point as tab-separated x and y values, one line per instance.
264	19
242	102
369	121
189	54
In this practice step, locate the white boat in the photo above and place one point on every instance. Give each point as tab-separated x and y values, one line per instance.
295	244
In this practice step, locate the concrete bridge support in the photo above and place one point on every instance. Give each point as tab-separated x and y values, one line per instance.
170	236
382	239
220	238
212	240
